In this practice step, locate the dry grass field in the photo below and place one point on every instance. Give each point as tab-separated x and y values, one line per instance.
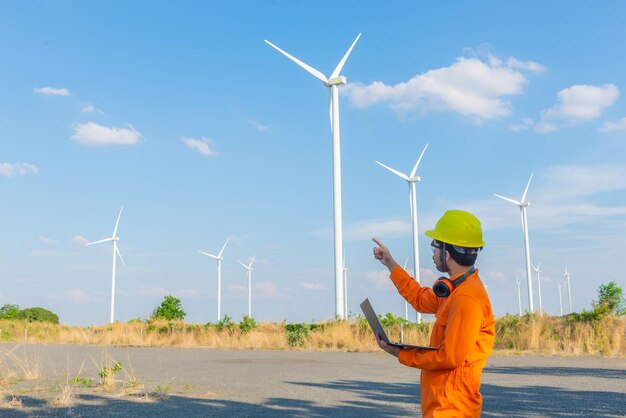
529	333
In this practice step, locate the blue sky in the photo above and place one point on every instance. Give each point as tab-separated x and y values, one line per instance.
184	116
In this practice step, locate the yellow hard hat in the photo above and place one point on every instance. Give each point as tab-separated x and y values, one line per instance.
458	227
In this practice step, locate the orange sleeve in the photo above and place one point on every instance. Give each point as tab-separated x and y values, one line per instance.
460	336
421	298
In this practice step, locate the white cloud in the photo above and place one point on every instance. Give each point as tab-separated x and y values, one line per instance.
259	126
531	66
200	145
313	286
377	228
269	289
80	240
472	87
579	181
524	125
89	108
74	295
496	275
237	288
578	103
48	240
17	169
260	261
609	127
51	91
380	279
92	133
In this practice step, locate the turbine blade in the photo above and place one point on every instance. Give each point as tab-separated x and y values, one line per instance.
207	254
515	202
244	266
321	77
251	261
343	60
101	241
396	172
526	190
418	161
117	222
117	250
222	250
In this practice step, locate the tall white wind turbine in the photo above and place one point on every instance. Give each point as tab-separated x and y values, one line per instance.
538	271
412	179
116	253
519	295
219	259
569	288
345	287
406	304
523	204
332	83
249	270
560	301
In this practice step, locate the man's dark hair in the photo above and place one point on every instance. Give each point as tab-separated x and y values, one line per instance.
460	258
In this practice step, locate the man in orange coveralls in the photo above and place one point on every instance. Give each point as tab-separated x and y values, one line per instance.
464	330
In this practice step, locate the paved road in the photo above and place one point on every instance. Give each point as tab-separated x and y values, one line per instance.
243	383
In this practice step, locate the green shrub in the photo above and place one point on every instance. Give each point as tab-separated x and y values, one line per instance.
247	324
226	324
170	309
297	333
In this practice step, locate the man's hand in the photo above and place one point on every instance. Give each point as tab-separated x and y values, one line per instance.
382	254
388	348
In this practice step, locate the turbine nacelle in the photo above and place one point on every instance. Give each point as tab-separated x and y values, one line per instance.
336	81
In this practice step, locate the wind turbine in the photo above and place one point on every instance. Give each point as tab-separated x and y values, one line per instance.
569	288
116	252
249	269
523	204
345	287
332	83
411	180
406	304
560	300
219	259
519	294
538	271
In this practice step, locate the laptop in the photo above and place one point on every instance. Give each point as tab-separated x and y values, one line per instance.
377	327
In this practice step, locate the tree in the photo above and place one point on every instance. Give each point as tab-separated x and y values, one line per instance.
610	299
9	311
38	314
170	309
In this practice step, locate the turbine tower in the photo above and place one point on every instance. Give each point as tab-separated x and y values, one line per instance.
249	269
538	271
519	295
411	180
116	253
332	84
569	288
523	204
406	304
219	259
345	287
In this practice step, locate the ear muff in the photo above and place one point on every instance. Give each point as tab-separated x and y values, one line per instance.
444	286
